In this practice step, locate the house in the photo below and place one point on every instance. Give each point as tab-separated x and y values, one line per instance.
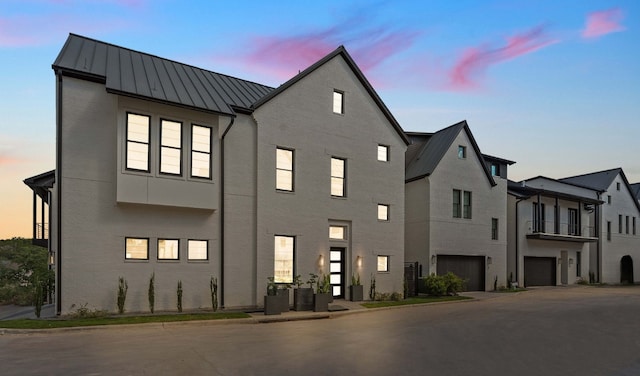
550	231
618	245
170	170
456	208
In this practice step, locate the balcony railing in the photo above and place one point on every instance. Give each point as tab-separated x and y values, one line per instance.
41	234
563	229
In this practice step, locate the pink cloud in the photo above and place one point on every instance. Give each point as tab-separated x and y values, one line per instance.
475	61
7	160
602	23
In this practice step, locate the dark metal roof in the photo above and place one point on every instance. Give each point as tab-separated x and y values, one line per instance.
40	184
522	191
600	180
497	159
137	74
340	51
635	189
421	163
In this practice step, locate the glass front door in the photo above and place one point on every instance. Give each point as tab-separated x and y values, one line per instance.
336	269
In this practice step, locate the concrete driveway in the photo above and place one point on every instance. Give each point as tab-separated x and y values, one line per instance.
549	331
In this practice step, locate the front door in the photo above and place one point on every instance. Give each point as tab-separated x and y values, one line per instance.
336	270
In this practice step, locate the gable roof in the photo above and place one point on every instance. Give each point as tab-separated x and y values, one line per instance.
140	75
602	180
521	190
340	51
423	159
635	190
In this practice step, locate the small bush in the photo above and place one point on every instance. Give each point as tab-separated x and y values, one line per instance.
441	285
83	312
152	292
396	296
179	293
122	294
213	287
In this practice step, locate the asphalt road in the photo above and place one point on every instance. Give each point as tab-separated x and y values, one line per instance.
559	331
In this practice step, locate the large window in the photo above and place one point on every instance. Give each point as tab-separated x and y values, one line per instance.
338	102
136	249
200	152
138	142
168	249
170	147
284	169
383	212
197	250
466	204
383	263
494	228
338	167
283	259
457	200
539	217
383	153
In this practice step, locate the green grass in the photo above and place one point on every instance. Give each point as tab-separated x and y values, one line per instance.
414	300
123	320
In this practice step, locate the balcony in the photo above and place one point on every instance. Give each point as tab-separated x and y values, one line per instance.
568	232
41	235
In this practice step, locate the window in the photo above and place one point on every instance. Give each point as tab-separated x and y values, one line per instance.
618	186
627	224
466	205
283	259
338	102
457	208
383	263
494	228
383	212
200	152
284	169
608	230
338	177
383	153
462	152
495	169
538	217
573	222
168	249
170	147
337	232
609	199
138	142
198	250
620	223
578	264
136	249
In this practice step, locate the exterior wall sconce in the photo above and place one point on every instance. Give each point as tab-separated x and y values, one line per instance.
559	261
321	261
359	261
489	260
570	261
433	259
52	258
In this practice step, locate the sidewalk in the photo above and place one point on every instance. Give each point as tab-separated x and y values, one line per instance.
14	312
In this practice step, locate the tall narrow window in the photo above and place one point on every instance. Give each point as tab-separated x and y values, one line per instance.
170	147
609	199
136	249
383	153
608	230
494	228
283	259
197	250
627	224
495	169
466	205
284	169
168	249
338	177
457	201
138	142
578	264
620	223
462	152
200	152
338	102
573	222
383	212
618	186
539	217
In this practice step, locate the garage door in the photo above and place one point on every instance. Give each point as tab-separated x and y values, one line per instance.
469	268
539	271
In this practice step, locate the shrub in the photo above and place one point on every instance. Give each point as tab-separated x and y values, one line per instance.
213	286
454	283
152	293
372	288
396	296
440	285
123	286
38	296
83	312
179	293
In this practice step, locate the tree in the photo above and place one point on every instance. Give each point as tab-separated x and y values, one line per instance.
22	267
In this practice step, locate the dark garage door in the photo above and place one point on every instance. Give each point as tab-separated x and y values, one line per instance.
469	268
539	271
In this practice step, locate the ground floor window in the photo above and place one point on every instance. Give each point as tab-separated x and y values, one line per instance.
136	249
168	249
283	259
383	263
197	250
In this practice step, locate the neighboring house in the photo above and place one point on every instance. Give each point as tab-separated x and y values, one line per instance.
635	190
456	208
550	230
166	168
618	245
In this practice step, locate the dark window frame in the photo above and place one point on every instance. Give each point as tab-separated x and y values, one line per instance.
293	169
457	206
333	99
387	153
162	147
608	230
467	207
388	269
388	212
462	152
125	248
494	228
293	257
127	141
206	242
572	222
158	250
343	178
210	153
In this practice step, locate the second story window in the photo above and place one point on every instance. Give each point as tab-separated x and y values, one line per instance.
495	169
200	151
284	169
573	222
494	228
466	205
383	212
338	167
138	142
383	153
462	152
457	208
338	102
170	147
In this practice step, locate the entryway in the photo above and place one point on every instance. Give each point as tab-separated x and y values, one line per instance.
336	270
626	269
469	268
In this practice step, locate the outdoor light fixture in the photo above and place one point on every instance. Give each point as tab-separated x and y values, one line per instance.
489	260
433	259
321	261
359	261
570	261
559	261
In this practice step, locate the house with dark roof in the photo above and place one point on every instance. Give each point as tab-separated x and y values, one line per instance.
456	208
618	247
189	175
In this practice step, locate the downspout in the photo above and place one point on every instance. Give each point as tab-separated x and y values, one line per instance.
597	225
222	210
58	182
517	243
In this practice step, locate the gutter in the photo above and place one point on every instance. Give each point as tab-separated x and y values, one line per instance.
518	243
58	180
222	210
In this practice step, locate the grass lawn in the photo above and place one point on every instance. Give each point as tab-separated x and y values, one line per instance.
415	300
67	323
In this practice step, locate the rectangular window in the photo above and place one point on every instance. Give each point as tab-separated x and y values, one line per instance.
338	177
539	217
578	264
609	199
620	223
462	152
136	249
618	186
383	263
608	230
284	169
495	169
573	222
494	228
168	249
337	232
383	212
466	205
338	102
283	259
138	142
200	152
383	153
170	147
198	250
627	224
457	207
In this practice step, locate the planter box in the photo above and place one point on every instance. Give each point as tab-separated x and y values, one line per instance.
356	293
321	302
303	299
272	305
283	294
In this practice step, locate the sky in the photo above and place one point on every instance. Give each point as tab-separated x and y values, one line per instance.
552	85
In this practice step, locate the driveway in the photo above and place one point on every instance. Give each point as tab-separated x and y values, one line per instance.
550	331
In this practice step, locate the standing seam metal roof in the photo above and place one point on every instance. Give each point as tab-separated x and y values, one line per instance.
137	74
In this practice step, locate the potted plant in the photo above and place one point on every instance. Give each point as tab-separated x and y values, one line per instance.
323	294
356	291
272	304
303	296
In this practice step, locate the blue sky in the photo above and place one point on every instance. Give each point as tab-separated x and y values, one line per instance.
552	85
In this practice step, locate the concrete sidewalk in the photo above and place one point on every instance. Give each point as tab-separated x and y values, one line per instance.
14	312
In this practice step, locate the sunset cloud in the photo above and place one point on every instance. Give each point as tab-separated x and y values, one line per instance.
603	22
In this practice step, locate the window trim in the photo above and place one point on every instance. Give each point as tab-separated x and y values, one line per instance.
206	242
333	102
132	258
167	259
387	217
343	177
293	257
387	264
210	153
293	168
387	150
161	146
148	143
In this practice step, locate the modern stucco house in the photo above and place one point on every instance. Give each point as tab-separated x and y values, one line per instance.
165	168
456	207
